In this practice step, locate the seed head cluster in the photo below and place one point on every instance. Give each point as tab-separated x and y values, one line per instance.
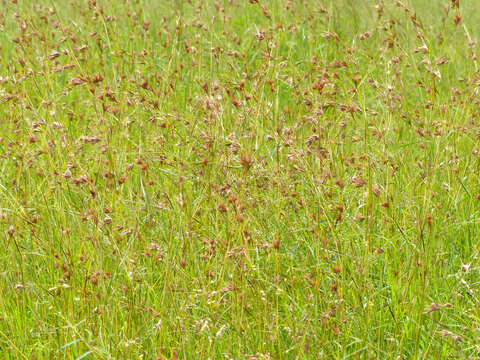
239	179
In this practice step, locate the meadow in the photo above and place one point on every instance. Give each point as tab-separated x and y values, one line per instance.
239	179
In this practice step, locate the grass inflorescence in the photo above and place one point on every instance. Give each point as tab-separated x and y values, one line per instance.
262	179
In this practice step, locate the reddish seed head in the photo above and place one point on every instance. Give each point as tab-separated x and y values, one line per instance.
246	161
340	183
276	244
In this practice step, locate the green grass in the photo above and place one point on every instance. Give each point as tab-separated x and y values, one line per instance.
239	180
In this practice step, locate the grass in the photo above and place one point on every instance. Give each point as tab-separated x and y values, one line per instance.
239	179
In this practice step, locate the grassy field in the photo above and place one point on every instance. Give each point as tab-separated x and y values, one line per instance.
239	179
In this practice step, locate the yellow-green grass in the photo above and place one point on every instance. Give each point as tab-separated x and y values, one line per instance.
239	179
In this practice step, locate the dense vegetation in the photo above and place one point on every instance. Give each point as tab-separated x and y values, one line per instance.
262	179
